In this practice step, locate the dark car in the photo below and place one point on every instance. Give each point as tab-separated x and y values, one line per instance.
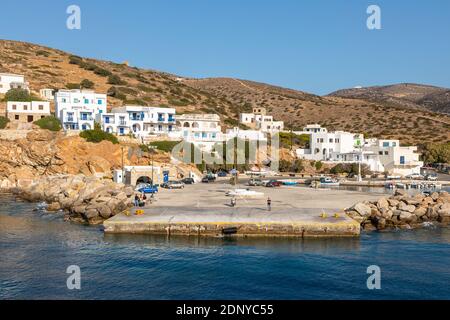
273	183
188	181
222	174
206	180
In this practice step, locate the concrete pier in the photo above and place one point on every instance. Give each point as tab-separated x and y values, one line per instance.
204	210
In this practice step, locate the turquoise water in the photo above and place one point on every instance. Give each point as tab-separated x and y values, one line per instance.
37	247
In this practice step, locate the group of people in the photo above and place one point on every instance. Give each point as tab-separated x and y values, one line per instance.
140	200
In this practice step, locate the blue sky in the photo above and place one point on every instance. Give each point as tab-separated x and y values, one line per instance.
313	45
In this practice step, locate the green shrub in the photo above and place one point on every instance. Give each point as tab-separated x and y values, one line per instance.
97	135
115	79
165	146
72	85
50	123
318	165
75	60
102	72
19	95
87	84
115	92
3	122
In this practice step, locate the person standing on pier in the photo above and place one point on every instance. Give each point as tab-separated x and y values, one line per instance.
269	204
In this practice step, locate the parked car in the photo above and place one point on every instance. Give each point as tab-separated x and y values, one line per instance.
273	183
432	177
416	176
148	189
256	182
173	185
222	174
208	178
188	181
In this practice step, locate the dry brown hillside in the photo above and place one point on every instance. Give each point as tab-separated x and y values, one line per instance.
408	95
49	68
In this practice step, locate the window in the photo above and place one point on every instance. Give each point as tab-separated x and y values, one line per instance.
106	119
75	100
86	101
16	117
64	100
41	107
25	107
402	159
330	140
386	144
213	135
386	153
394	144
204	135
336	140
14	107
380	153
100	101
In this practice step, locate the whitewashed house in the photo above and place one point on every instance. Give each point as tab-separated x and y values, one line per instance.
27	111
259	120
12	81
203	130
393	158
47	94
78	109
255	135
142	121
326	146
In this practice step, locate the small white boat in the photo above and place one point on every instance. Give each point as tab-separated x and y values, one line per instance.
327	181
244	193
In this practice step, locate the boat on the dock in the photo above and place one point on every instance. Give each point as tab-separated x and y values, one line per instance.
244	193
327	181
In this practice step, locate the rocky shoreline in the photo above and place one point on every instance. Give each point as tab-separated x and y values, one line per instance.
402	211
86	199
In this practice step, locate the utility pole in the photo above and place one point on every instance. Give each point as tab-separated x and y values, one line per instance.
152	148
122	165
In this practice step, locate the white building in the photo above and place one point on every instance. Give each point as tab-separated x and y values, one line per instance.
325	146
142	121
260	121
393	158
245	134
312	128
203	130
47	94
12	81
27	111
77	109
345	147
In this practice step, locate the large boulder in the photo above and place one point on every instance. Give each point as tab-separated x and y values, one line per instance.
383	204
406	216
421	211
405	207
363	209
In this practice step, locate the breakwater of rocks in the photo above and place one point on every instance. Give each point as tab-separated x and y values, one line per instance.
402	211
85	199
